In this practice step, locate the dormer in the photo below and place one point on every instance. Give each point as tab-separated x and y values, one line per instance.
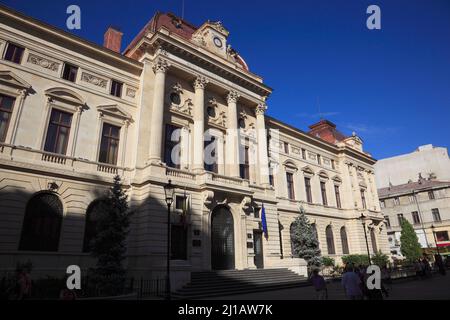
213	36
354	142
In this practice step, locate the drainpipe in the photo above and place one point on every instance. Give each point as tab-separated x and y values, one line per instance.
420	217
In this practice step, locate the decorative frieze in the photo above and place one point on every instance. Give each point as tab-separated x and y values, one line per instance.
43	62
131	92
94	80
312	156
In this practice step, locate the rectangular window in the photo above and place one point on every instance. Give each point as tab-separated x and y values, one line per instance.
178	242
286	148
172	139
363	199
338	196
303	154
442	236
211	155
396	201
116	88
109	146
14	53
431	195
319	159
180	202
323	190
400	218
244	168
436	215
333	165
415	217
308	190
70	72
387	221
58	132
6	109
290	185
271	178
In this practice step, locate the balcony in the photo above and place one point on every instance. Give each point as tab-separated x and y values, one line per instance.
27	158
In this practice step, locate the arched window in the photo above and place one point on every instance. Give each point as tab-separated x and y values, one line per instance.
373	239
90	228
330	240
314	228
344	241
42	223
292	231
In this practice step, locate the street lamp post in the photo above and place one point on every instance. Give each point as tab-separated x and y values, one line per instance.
169	190
435	240
363	221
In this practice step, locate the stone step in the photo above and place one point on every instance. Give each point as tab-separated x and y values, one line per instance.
229	282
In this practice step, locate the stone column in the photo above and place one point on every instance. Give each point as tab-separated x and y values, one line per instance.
232	153
263	158
160	67
199	125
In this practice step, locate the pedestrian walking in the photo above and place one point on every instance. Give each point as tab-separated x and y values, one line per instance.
439	264
352	284
319	285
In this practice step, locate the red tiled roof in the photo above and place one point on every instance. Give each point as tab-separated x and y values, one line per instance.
326	130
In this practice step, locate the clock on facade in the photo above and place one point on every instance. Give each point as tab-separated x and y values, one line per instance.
218	42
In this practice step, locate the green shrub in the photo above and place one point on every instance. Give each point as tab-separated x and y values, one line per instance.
355	259
380	259
328	262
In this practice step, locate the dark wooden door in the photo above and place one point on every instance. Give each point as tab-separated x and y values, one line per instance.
222	239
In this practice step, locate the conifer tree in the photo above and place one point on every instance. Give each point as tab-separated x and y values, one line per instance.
109	244
304	240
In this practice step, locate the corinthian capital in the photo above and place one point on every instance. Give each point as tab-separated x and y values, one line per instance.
160	65
232	97
261	109
200	82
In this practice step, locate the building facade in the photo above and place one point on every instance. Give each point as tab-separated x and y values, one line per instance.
181	104
425	203
428	161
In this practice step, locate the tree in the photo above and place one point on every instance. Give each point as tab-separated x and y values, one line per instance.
304	241
380	259
109	243
409	243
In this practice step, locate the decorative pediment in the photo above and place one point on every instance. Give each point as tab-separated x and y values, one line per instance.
114	111
65	95
337	179
290	164
9	78
308	170
323	174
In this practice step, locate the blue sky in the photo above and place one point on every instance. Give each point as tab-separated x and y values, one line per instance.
391	86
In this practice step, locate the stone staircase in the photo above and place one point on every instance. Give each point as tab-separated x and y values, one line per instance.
231	282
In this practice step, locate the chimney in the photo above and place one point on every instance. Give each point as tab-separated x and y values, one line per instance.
325	130
113	39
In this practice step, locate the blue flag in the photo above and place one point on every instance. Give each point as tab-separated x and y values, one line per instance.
264	221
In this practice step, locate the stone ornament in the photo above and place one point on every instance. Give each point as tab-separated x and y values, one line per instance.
96	81
233	97
200	82
131	93
160	66
261	109
43	62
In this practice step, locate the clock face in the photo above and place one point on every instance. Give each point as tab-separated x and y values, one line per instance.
218	42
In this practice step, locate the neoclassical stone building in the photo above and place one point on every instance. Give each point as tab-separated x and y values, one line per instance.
74	114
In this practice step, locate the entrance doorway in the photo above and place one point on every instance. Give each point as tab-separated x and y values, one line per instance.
258	249
222	239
